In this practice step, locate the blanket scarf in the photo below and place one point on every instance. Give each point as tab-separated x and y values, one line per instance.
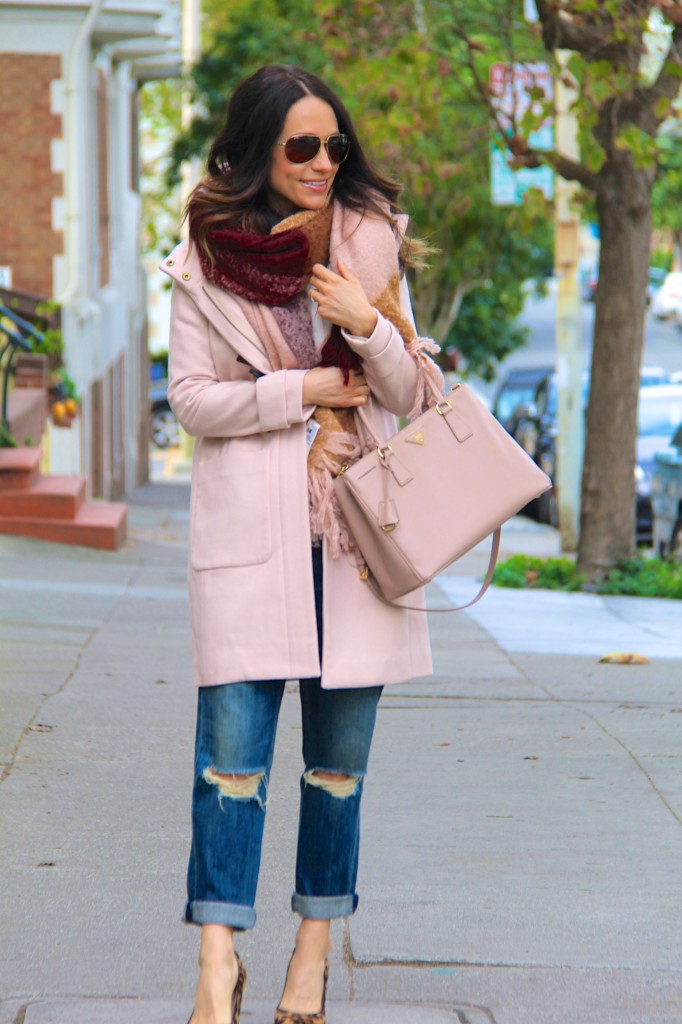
269	276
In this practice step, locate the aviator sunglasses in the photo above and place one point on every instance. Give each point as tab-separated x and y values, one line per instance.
301	149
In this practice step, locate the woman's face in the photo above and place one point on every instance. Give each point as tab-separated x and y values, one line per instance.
303	186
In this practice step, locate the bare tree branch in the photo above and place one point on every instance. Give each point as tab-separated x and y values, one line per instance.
480	85
571	170
447	318
593	39
567	168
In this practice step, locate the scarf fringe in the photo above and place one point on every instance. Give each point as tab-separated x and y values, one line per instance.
326	519
429	377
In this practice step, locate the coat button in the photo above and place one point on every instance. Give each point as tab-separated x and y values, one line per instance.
170	263
186	277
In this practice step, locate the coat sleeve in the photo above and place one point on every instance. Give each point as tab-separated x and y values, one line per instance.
209	407
391	371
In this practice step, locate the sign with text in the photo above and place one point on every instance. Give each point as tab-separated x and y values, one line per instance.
518	89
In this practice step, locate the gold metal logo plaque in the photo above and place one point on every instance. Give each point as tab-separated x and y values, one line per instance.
417	438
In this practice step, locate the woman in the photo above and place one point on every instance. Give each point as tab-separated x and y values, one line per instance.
289	309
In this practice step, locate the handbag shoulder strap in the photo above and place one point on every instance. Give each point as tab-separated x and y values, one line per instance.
494	551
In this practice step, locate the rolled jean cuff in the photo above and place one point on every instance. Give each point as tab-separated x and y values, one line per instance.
234	915
323	908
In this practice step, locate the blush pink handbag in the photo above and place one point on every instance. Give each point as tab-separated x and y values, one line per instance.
419	501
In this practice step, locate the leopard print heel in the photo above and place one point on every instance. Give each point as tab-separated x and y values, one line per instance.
238	992
291	1017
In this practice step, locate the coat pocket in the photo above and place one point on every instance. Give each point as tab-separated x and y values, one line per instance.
231	515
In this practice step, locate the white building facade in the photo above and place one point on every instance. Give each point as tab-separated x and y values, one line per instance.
70	217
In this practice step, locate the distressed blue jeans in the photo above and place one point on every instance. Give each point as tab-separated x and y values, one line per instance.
235	738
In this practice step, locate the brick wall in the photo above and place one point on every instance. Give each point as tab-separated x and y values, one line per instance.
27	182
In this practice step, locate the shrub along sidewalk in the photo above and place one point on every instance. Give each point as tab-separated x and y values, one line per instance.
638	577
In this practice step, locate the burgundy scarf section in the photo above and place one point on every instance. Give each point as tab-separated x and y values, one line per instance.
261	268
272	269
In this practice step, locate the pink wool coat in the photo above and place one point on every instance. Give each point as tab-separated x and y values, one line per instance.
250	571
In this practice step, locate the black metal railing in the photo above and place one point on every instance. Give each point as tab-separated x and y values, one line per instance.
16	342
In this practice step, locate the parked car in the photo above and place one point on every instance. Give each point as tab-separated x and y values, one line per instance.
165	427
535	426
667	302
654	375
656	278
517	388
666	498
588	283
660	412
590	278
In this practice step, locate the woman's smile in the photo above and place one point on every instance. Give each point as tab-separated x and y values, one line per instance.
317	186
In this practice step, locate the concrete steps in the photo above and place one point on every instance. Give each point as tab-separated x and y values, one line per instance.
52	507
19	468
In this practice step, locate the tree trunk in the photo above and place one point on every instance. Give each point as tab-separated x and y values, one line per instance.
607	522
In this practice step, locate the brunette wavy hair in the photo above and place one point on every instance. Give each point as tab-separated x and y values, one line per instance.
234	191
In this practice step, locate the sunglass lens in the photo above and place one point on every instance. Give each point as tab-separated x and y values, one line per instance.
301	148
337	147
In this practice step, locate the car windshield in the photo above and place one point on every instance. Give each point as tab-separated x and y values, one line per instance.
659	414
510	399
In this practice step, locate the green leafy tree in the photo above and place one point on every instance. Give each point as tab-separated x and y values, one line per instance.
418	106
624	96
160	104
423	124
667	192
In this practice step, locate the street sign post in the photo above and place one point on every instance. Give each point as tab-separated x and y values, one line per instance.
517	90
571	419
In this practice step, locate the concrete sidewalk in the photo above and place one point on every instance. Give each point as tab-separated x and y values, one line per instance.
522	819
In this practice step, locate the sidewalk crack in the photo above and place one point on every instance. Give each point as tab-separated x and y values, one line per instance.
616	739
612	607
7	768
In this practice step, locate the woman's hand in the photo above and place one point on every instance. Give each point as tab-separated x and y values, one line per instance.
341	299
324	385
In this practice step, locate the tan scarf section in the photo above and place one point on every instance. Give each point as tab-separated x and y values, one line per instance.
370	247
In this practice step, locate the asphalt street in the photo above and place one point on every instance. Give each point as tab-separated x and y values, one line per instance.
662	340
522	818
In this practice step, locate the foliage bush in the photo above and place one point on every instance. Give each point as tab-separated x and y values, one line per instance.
638	577
539	573
53	339
645	577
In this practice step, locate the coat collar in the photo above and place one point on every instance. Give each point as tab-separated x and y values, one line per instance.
218	306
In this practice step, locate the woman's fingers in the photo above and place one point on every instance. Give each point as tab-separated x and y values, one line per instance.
346	272
341	299
323	273
357	389
326	386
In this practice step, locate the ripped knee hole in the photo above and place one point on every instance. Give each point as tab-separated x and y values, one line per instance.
240	787
336	783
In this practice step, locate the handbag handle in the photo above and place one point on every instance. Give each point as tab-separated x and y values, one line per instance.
365	430
366	435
